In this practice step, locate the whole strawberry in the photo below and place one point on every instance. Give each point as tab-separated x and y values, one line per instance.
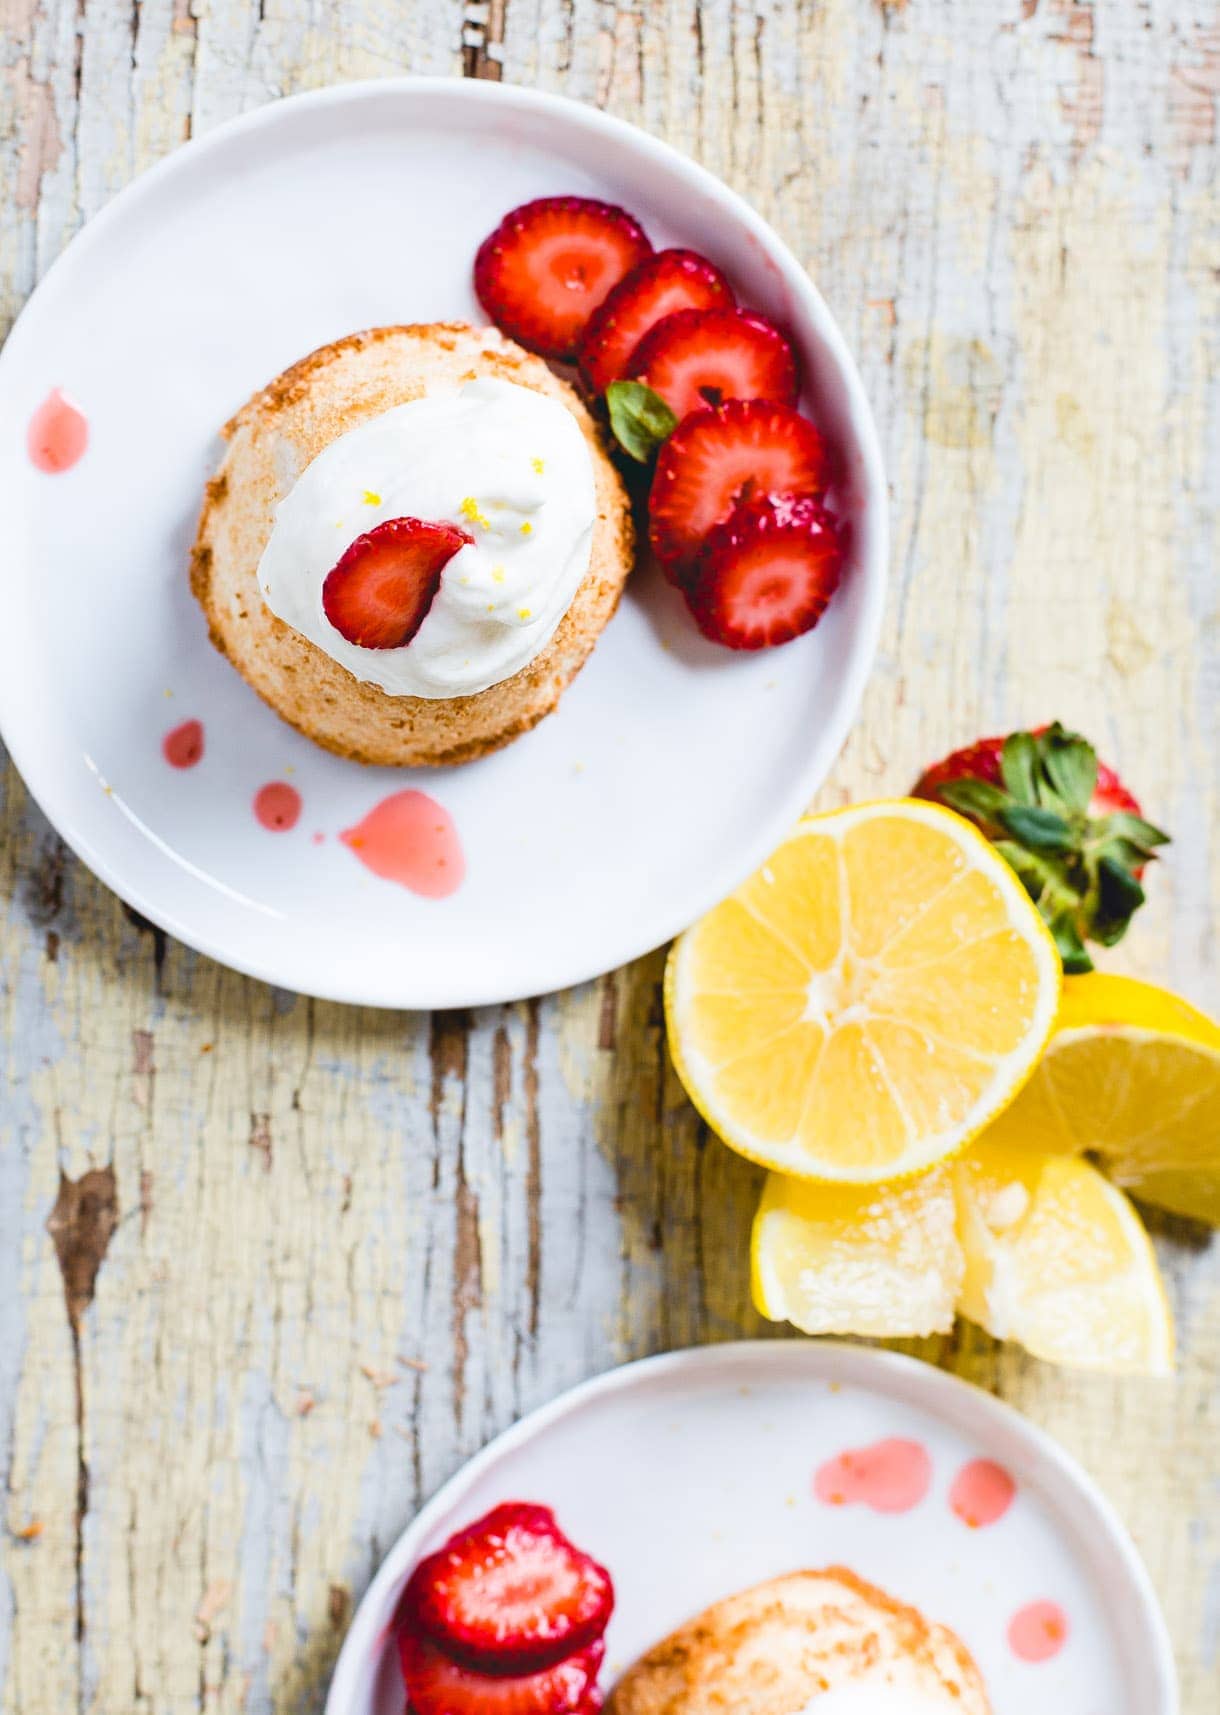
1065	823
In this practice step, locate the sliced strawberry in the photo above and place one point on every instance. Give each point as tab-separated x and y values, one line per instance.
379	593
766	574
548	265
438	1685
511	1592
719	457
668	281
696	358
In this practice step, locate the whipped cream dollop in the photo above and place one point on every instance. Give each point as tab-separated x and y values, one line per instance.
862	1697
507	465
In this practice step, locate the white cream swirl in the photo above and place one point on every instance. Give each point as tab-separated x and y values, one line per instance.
511	467
869	1697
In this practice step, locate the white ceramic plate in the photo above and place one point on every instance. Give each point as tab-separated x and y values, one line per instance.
672	766
691	1476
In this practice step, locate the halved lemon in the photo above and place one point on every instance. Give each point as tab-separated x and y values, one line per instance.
1131	1074
881	1260
867	1001
1058	1260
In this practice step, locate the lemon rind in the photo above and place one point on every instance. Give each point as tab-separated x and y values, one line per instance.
1105	1000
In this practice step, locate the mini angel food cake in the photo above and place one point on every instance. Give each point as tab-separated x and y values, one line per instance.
412	544
809	1643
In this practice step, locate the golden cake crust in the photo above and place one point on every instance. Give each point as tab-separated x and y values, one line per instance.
271	440
770	1649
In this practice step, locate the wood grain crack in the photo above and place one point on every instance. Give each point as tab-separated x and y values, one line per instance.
607	1024
260	1138
533	1171
467	1280
81	1226
156	935
483	25
44	893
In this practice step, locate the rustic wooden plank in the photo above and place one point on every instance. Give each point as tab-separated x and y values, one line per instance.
351	1246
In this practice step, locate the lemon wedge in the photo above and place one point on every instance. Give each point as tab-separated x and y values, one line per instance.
858	1259
1038	1249
1131	1074
1057	1259
867	1001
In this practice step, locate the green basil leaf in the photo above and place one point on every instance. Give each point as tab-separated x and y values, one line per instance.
640	418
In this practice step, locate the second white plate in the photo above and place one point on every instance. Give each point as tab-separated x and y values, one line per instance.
694	1475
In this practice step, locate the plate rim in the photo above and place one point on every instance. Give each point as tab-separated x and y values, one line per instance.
958	1401
57	801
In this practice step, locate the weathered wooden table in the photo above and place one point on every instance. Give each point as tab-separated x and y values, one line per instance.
270	1269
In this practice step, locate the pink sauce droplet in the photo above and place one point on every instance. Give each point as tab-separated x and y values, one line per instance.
318	837
410	838
890	1476
982	1492
183	747
58	433
1038	1631
277	806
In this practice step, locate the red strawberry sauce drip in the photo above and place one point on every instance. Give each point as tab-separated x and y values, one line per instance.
982	1493
890	1476
277	806
1038	1631
183	747
58	433
411	839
